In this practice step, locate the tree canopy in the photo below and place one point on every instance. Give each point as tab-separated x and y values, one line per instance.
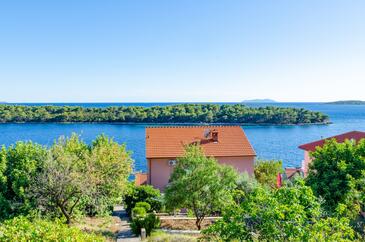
266	172
181	113
337	174
285	214
69	176
201	184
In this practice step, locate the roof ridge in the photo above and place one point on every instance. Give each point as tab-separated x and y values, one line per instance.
192	126
304	146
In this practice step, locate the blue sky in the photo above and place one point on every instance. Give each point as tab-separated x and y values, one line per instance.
181	50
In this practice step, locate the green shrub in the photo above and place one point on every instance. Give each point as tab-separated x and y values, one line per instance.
23	229
266	172
136	225
149	223
144	193
144	205
139	212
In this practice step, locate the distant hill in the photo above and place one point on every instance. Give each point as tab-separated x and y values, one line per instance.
348	102
259	101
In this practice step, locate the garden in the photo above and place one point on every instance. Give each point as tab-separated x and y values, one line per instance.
67	191
211	202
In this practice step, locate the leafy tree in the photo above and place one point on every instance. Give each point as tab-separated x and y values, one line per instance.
199	183
68	176
63	181
284	214
337	175
20	163
110	166
266	172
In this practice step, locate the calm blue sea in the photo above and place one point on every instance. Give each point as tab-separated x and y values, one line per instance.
270	142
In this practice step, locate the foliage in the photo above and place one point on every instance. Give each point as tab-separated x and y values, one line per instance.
81	178
266	172
109	168
138	212
285	214
64	180
19	164
337	174
23	229
181	113
145	193
144	205
246	184
149	223
199	183
70	176
330	229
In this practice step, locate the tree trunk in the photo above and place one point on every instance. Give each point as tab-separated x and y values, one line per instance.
198	223
66	214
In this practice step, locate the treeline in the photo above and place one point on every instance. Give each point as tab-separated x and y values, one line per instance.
181	113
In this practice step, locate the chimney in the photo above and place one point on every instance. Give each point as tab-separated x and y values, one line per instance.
215	136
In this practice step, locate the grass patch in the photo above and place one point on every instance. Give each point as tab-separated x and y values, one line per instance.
104	226
160	236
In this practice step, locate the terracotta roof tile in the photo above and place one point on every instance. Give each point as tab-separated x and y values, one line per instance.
354	135
169	141
291	171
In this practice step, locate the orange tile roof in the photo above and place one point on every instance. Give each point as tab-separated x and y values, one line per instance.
169	141
354	135
140	179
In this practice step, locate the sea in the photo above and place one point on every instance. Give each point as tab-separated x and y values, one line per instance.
271	142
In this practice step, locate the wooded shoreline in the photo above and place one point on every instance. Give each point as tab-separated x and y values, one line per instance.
173	114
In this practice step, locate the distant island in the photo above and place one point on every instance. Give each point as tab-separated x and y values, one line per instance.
348	102
259	101
172	114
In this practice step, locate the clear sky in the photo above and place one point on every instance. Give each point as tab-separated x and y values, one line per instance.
181	50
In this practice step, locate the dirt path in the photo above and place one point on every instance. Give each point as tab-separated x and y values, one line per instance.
125	233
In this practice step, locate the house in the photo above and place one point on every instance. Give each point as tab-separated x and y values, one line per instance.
310	147
228	144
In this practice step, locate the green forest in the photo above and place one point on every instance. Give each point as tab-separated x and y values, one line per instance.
180	113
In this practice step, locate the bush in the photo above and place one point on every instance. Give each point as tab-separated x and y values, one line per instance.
144	205
138	212
149	223
266	172
144	193
136	225
23	229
